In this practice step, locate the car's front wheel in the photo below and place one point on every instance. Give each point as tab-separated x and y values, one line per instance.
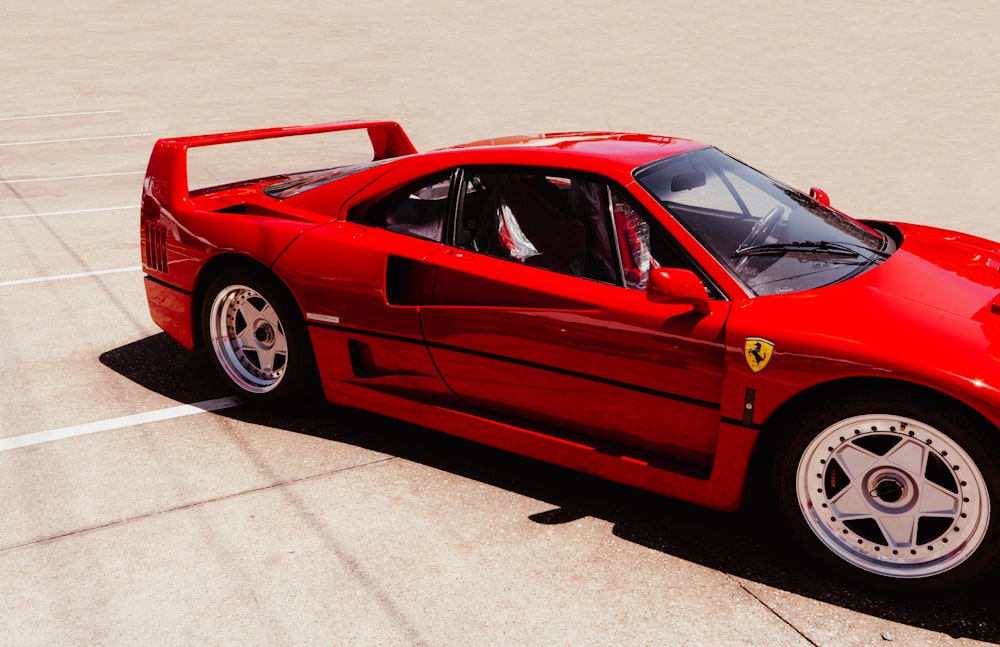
257	338
894	493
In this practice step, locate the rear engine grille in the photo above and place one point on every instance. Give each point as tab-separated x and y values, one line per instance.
156	247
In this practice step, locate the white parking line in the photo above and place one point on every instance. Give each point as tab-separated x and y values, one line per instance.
62	114
75	139
37	438
60	277
70	177
125	207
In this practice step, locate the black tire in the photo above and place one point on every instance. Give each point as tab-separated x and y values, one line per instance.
895	492
257	338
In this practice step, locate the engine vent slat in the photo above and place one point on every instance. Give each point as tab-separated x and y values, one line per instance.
156	247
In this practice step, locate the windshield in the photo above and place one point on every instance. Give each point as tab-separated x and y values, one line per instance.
773	238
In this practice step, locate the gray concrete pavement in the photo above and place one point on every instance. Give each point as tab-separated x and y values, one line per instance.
328	526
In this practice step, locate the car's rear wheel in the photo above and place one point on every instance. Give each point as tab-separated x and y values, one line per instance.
894	493
257	337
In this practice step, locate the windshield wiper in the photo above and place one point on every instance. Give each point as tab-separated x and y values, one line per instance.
811	247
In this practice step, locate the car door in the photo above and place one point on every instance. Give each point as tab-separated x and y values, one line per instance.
537	318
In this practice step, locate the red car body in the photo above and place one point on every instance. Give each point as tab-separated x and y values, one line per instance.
658	392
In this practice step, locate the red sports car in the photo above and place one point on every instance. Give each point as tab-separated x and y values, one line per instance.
646	309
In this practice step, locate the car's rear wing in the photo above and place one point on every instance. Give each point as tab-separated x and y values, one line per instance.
167	173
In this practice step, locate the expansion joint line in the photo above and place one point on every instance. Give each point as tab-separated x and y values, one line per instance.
197	504
776	614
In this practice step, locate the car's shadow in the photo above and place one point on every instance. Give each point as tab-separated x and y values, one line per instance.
743	544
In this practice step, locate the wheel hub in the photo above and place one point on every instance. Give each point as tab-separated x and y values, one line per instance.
264	334
891	489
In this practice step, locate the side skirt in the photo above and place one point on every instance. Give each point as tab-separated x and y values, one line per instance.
721	490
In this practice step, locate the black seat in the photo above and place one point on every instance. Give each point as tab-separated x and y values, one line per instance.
589	201
526	227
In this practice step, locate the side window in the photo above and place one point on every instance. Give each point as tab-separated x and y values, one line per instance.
547	220
571	224
418	210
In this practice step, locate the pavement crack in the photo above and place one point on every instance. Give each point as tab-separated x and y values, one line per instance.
196	504
776	614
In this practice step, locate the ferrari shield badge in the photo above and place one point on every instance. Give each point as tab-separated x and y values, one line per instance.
758	353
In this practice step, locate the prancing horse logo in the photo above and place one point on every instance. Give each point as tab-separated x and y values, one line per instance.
758	353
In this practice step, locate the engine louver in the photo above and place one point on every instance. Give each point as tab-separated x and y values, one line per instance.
156	247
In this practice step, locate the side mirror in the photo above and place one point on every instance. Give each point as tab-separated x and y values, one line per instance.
820	196
672	285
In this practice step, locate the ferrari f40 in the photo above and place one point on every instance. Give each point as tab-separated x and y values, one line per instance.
645	309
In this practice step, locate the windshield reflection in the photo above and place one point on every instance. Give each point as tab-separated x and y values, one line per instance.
773	238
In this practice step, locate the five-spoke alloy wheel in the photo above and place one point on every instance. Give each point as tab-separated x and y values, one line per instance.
258	342
901	496
248	338
893	496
